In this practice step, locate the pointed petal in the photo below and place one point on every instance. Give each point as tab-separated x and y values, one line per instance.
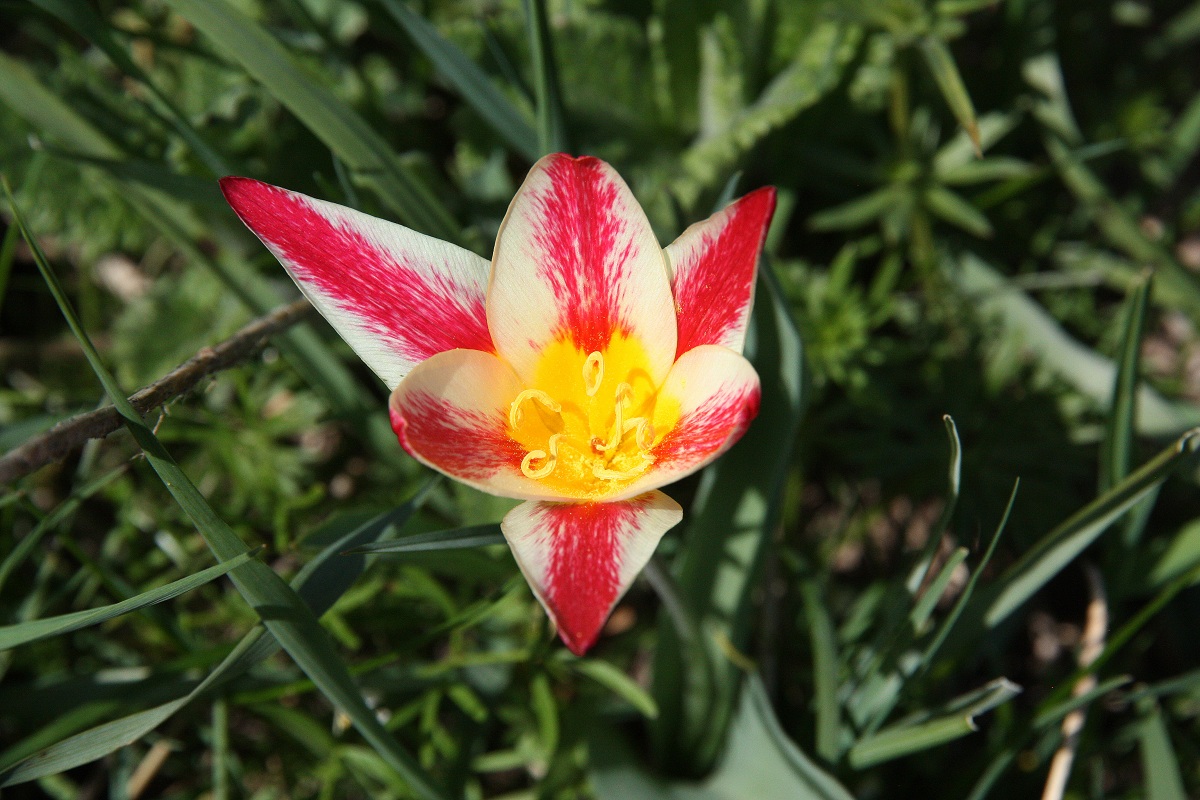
579	558
395	295
451	414
713	265
716	392
576	259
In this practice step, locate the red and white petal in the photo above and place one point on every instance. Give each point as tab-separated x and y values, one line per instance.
451	414
395	295
713	264
717	393
579	558
576	259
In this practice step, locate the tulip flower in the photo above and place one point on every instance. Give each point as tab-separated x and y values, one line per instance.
580	370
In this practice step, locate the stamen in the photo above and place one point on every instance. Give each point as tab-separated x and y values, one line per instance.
624	392
514	410
645	432
536	455
593	373
605	474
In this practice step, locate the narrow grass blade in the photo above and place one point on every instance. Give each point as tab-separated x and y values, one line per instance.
1053	713
905	738
945	72
953	488
16	635
1117	450
337	125
1061	545
618	683
283	612
319	583
923	610
551	123
965	598
954	209
88	24
825	671
452	539
1160	767
52	117
51	521
470	81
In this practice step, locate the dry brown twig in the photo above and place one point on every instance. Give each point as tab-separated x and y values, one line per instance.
1090	646
59	441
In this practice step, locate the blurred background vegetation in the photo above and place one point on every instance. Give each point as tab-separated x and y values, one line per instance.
989	210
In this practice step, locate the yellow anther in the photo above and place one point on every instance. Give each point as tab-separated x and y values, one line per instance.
550	458
645	432
593	373
624	392
605	474
514	410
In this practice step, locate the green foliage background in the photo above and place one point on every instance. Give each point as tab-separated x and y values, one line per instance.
988	210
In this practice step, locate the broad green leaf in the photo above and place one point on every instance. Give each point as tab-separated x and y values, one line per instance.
284	613
471	82
760	762
737	506
1060	546
452	539
932	728
337	125
1023	319
15	635
945	73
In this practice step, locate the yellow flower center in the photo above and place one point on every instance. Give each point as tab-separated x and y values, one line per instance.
590	421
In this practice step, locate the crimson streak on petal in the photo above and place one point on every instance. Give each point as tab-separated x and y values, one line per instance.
468	445
704	432
714	264
418	312
584	235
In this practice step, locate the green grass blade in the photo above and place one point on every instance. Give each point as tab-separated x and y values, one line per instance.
1050	714
953	488
337	125
952	208
16	635
283	612
88	24
1160	767
470	81
52	520
958	721
551	122
1117	449
945	72
452	539
618	683
1059	547
52	117
965	598
923	609
825	671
